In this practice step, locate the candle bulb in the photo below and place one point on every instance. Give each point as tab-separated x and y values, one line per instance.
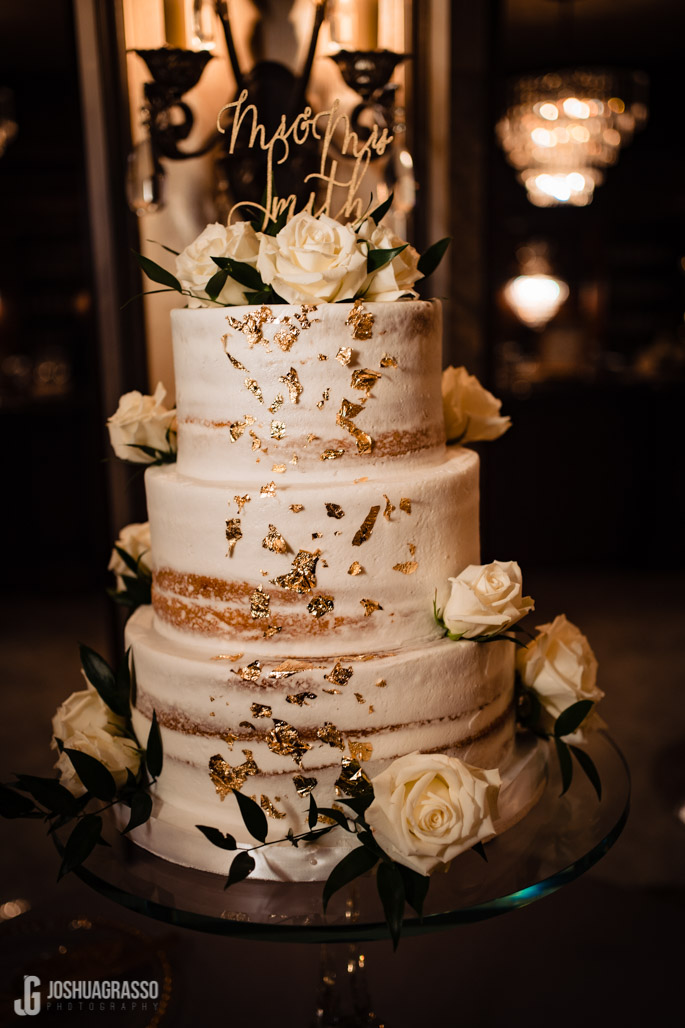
354	24
175	23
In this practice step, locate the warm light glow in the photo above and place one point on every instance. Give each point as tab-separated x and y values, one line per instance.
535	299
575	108
543	137
549	112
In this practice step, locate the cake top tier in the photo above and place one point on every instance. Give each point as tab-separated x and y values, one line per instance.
265	391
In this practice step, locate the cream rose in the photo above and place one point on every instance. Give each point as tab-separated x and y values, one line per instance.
397	278
313	260
195	267
142	421
84	711
559	666
117	753
135	540
429	807
471	412
486	599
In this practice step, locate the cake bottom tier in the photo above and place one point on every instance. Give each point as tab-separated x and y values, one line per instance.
280	729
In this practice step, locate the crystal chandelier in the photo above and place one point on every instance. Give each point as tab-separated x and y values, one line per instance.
562	129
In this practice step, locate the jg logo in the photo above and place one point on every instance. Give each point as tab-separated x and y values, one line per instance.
30	1004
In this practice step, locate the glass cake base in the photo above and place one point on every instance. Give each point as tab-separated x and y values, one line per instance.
557	841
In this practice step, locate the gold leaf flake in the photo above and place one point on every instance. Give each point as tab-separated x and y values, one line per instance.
236	429
333	692
353	781
302	576
300	698
269	809
285	337
294	459
389	508
365	379
360	750
236	363
227	656
325	396
285	740
370	708
407	568
317	535
233	534
274	541
311	438
359	698
240	501
290	667
293	384
332	454
339	675
344	355
277	404
271	630
249	673
349	410
324	819
256	441
355	568
303	317
251	324
364	478
259	604
363	533
328	733
268	490
296	508
247	724
381	683
277	429
369	607
334	510
226	778
323	357
412	548
405	505
260	710
252	386
263	573
279	469
320	606
360	321
229	738
303	786
388	362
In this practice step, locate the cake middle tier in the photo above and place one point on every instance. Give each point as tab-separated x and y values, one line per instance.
313	567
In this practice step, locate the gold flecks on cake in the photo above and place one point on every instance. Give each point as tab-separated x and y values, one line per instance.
334	510
252	386
325	396
349	410
408	567
293	385
268	490
259	604
240	501
249	673
263	573
303	317
290	667
359	698
333	692
227	656
260	710
360	750
285	740
297	508
412	548
286	336
311	438
277	404
364	478
317	535
269	809
236	363
369	607
331	454
233	533
339	675
302	576
251	324
294	459
303	786
365	379
322	357
256	441
388	362
236	428
344	355
370	708
247	724
360	320
363	533
320	606
271	630
329	734
355	568
277	429
405	505
389	508
279	469
381	683
229	738
226	778
300	698
353	780
274	541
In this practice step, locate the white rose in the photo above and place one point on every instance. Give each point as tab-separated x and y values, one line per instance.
114	751
135	540
559	666
471	412
84	711
142	421
195	267
313	260
486	599
397	278
429	807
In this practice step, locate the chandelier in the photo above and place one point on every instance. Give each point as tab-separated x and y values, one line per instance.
563	129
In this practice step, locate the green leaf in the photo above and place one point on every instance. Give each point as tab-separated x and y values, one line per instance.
359	803
164	247
253	816
479	848
131	563
265	295
154	757
217	838
565	764
94	775
157	273
337	816
49	793
158	456
243	274
242	866
354	864
377	259
313	816
379	213
415	888
81	842
390	885
429	260
572	718
13	804
588	765
141	808
101	677
216	284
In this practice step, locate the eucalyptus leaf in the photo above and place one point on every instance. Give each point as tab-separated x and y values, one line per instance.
157	273
359	803
94	775
243	274
217	838
81	843
154	757
390	885
565	764
242	866
13	804
146	292
102	678
588	765
479	848
216	284
571	719
353	865
337	816
415	888
131	563
377	259
141	808
253	816
313	815
429	260
164	247
49	793
379	213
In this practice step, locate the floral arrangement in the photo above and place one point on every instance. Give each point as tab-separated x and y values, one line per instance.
142	430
